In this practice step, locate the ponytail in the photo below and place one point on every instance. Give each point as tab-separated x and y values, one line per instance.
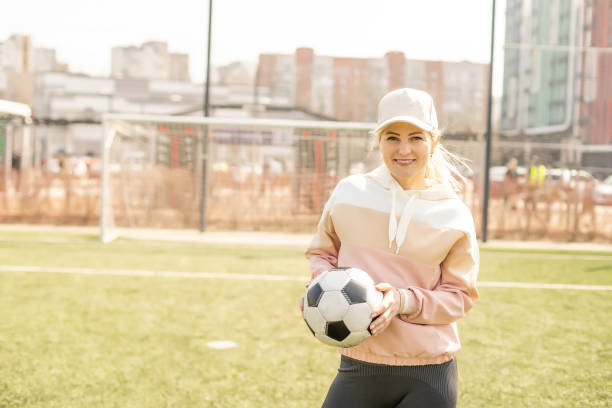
444	167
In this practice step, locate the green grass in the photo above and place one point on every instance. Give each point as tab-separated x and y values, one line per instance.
156	256
546	268
113	341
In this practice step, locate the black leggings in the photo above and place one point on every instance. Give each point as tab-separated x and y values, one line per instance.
365	385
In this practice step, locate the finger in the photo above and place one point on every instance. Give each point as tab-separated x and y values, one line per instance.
384	318
380	308
384	304
388	317
388	300
380	315
383	287
381	323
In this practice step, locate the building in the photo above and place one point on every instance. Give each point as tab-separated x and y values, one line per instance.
539	68
594	120
557	69
17	54
557	78
596	85
19	60
276	72
69	107
349	88
234	73
151	60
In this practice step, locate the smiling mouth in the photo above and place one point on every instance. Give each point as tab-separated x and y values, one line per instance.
404	162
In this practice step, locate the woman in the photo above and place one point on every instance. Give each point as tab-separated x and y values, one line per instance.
405	226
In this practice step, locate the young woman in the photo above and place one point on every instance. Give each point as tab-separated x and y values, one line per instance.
404	224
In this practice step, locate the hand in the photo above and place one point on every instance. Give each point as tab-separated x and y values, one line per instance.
387	310
302	300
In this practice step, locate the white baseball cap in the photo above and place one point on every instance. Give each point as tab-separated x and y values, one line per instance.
407	105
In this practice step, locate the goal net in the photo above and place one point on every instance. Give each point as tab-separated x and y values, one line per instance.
219	173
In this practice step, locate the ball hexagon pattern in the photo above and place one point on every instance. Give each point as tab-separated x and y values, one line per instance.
333	305
316	323
338	306
334	281
314	295
355	292
337	330
357	317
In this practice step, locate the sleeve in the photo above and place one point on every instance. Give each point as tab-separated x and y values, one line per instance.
455	294
322	253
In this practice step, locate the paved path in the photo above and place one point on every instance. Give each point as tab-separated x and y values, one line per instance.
273	238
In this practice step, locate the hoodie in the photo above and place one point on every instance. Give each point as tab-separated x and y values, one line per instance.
422	242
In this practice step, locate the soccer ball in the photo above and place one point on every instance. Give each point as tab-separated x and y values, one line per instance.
338	306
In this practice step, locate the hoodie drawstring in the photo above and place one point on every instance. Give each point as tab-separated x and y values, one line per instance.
392	220
397	232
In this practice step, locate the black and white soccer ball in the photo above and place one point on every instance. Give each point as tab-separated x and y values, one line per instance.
338	305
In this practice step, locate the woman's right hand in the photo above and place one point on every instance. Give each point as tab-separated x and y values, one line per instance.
387	310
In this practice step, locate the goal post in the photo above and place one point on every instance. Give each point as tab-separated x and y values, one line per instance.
238	173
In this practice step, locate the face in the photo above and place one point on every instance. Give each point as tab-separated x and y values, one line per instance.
406	151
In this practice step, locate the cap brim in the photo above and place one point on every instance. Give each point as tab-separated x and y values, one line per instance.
404	119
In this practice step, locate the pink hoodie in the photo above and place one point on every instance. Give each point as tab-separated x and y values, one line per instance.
430	251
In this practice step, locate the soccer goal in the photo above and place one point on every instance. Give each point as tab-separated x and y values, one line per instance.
219	173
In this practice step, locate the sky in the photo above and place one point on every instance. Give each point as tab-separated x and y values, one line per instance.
83	31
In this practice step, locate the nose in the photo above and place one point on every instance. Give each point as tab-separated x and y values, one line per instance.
404	147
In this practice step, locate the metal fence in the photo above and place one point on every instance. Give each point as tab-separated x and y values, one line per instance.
277	175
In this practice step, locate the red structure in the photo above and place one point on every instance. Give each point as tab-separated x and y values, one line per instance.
304	59
596	85
396	63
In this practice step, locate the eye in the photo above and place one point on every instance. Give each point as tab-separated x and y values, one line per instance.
391	137
417	138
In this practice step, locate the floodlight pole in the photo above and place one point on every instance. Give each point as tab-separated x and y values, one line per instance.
485	204
205	133
207	88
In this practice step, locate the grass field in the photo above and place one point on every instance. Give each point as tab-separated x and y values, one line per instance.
69	340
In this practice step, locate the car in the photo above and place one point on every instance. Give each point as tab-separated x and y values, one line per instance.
557	176
603	192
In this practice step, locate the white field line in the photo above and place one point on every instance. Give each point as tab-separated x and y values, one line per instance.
299	243
525	285
246	276
577	257
147	273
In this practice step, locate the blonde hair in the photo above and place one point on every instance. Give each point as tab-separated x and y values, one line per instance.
443	167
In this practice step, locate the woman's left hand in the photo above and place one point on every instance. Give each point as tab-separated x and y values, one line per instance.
387	310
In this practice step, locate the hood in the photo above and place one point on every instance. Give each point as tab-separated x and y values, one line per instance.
397	231
437	192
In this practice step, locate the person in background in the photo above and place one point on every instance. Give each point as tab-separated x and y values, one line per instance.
16	169
534	194
510	189
537	173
